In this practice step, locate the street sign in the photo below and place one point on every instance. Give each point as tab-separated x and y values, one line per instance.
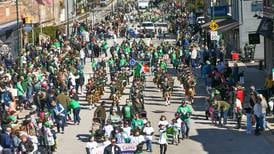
132	62
28	20
214	35
213	25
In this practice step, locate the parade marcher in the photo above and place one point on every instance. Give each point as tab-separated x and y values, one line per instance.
148	131
115	118
91	146
163	139
127	111
185	112
163	121
108	128
100	113
137	122
112	148
137	138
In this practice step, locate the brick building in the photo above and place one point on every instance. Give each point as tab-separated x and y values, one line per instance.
8	24
41	12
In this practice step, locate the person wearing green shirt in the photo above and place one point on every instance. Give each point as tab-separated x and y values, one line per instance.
127	111
94	65
185	111
123	62
163	66
105	47
20	91
137	122
75	107
115	118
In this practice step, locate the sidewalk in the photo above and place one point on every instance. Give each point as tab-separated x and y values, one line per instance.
256	77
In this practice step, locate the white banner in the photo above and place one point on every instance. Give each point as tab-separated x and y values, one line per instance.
125	148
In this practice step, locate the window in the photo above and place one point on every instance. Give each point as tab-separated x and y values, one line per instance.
267	3
7	12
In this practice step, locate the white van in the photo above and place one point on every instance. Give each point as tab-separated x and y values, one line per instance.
143	4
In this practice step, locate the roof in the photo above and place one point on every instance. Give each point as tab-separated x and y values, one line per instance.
208	23
224	24
11	26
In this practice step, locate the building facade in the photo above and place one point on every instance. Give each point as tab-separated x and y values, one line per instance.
8	24
249	23
266	30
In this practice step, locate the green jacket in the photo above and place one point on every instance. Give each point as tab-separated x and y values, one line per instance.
73	104
20	90
185	112
222	105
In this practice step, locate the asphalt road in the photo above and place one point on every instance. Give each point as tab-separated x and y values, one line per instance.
204	137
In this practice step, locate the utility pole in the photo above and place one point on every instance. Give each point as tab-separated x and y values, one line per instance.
67	18
32	31
18	28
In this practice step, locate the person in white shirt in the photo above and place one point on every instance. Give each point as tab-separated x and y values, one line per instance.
137	138
257	109
163	139
82	57
91	146
108	128
148	131
163	121
127	129
107	142
238	111
73	78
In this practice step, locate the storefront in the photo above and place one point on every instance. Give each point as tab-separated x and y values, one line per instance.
9	36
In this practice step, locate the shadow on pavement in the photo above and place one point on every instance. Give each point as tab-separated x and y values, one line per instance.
223	141
83	137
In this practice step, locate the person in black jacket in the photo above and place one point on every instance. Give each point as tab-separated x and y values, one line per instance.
26	145
112	148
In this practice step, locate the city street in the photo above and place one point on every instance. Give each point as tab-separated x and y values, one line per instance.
204	137
62	59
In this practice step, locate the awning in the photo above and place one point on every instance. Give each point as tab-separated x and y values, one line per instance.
228	25
266	27
224	25
206	25
8	27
